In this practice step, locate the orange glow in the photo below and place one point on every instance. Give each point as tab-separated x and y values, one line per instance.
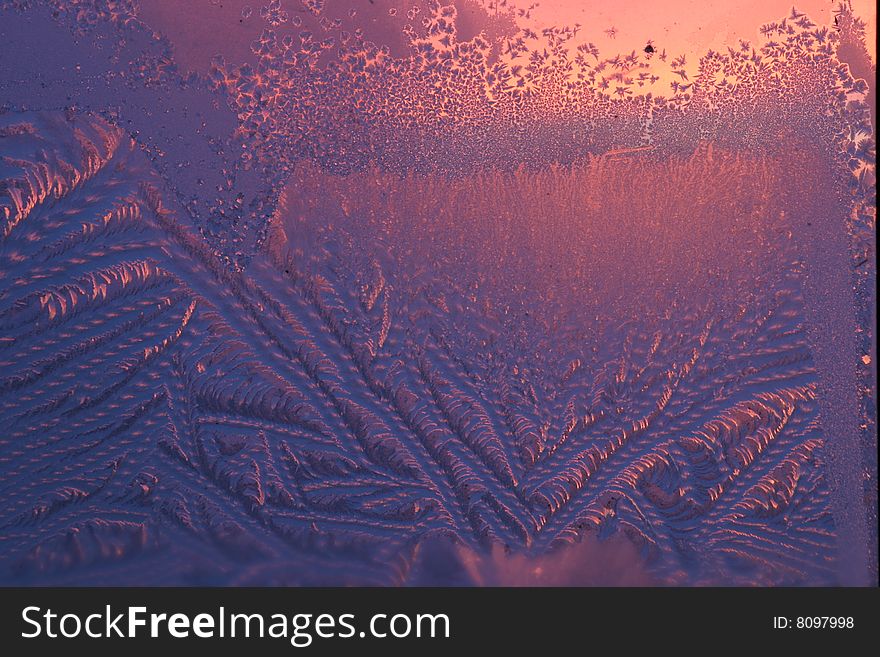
688	27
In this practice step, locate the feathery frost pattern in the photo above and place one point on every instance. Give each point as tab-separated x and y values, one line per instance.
155	403
374	288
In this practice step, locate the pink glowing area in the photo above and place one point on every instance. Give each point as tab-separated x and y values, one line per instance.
688	27
314	292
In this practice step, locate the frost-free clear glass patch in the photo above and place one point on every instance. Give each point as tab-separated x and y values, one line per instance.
484	292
